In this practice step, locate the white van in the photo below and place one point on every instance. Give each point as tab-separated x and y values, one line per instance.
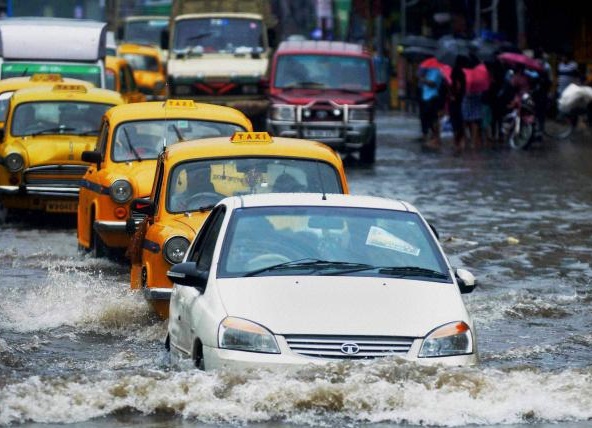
71	47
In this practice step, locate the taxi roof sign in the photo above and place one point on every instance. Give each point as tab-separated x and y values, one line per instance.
46	77
251	137
180	104
69	88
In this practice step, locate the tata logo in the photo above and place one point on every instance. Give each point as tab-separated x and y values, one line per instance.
350	348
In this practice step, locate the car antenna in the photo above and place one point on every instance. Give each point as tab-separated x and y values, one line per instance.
324	198
164	128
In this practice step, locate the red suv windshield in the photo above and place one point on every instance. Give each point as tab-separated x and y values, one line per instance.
323	72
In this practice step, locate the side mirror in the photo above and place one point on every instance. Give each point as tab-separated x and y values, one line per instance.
380	87
143	206
187	274
2	135
92	157
119	33
164	39
466	281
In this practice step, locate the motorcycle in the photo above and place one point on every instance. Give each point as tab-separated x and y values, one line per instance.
520	126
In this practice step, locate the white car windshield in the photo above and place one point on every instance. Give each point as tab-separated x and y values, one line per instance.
330	241
198	185
218	35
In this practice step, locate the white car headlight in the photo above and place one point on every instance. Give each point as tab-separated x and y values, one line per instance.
359	114
175	248
242	335
121	191
14	162
283	112
450	339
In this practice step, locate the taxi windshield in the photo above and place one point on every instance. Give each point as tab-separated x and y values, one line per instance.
57	117
214	35
323	72
141	62
302	240
145	139
199	185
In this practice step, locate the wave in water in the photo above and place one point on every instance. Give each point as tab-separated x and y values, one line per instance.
384	391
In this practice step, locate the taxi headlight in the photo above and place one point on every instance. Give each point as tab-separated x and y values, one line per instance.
360	114
283	112
14	162
175	249
242	335
158	86
450	339
121	191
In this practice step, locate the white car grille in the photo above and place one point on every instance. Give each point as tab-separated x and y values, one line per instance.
349	347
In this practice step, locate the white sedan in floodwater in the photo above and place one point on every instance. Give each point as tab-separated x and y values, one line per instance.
287	280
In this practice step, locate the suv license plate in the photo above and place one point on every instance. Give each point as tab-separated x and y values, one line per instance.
61	207
321	133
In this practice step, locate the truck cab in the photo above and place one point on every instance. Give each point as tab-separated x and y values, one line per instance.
73	48
325	91
219	57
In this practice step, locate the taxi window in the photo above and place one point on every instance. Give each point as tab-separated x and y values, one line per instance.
370	237
58	117
123	82
145	139
195	185
4	100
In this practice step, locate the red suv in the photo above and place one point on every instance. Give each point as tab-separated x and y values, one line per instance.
325	91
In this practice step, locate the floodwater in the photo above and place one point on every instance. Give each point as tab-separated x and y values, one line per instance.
78	348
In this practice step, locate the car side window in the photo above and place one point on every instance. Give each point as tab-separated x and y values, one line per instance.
203	252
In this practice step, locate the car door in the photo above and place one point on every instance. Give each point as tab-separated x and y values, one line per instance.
187	303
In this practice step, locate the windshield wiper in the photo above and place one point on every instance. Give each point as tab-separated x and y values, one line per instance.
400	271
54	130
91	132
309	263
131	146
178	132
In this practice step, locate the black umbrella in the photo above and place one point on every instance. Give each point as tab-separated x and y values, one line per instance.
418	42
452	50
417	53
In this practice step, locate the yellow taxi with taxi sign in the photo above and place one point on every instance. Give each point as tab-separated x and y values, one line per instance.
120	77
11	84
47	129
149	71
124	160
192	177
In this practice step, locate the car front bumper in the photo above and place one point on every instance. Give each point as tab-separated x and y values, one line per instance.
217	358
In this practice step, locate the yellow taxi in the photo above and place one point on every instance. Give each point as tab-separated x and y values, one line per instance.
47	129
124	160
192	177
120	77
11	84
148	68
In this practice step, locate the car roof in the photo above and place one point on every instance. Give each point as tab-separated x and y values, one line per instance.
51	93
220	147
20	82
157	110
316	199
321	47
138	48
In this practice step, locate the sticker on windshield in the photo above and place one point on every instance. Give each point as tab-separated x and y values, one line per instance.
378	237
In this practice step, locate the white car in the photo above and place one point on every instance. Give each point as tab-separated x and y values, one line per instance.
287	280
